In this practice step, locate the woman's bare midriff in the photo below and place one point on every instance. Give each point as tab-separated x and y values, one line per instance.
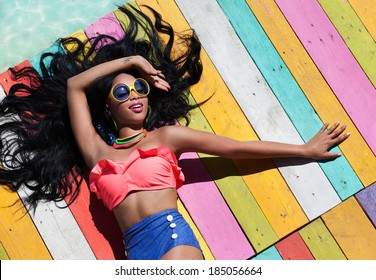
140	204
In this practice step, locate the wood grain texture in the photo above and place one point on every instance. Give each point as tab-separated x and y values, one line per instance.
259	104
352	230
294	248
367	199
354	33
366	10
336	63
320	242
289	94
314	86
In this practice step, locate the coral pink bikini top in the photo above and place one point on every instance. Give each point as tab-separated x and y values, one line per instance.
153	169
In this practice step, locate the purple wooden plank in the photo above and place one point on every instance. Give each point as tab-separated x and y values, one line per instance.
367	199
108	25
211	213
339	67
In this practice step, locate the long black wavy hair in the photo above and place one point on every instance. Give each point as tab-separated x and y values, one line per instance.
38	149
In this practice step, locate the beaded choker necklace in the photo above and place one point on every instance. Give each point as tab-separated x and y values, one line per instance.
129	140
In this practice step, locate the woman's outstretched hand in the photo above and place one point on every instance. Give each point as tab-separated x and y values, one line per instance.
317	148
149	73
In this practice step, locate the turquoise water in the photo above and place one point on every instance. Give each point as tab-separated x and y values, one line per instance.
27	27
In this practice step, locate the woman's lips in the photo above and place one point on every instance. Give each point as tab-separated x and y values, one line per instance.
136	107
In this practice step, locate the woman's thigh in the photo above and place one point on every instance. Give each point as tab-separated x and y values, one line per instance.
183	252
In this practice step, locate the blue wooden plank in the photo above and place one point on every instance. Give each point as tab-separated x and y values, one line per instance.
35	60
294	102
269	254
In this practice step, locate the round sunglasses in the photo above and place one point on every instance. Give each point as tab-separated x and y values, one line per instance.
122	92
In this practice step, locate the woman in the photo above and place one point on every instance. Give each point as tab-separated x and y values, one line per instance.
113	113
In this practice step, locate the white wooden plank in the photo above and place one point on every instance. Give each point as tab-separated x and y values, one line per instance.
60	231
307	181
2	93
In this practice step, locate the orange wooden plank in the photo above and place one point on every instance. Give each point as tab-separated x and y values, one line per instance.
17	231
352	230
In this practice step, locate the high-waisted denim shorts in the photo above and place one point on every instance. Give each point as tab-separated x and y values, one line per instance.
154	236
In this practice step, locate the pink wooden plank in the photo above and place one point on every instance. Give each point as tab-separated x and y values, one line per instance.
294	248
211	213
108	25
367	199
339	67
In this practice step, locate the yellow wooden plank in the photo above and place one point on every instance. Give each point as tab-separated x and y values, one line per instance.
366	10
314	86
80	35
17	231
205	249
320	242
352	230
354	33
226	118
3	253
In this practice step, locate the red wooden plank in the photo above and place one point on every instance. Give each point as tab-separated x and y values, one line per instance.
367	199
7	79
98	225
294	248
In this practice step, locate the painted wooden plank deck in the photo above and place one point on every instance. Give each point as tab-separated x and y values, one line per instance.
314	86
336	63
240	209
287	91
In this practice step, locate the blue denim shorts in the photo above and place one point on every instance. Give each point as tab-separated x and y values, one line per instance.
154	236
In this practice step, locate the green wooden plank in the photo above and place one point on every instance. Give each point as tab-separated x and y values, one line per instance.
320	241
3	253
287	91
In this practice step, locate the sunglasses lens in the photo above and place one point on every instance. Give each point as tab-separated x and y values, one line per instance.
121	92
141	87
